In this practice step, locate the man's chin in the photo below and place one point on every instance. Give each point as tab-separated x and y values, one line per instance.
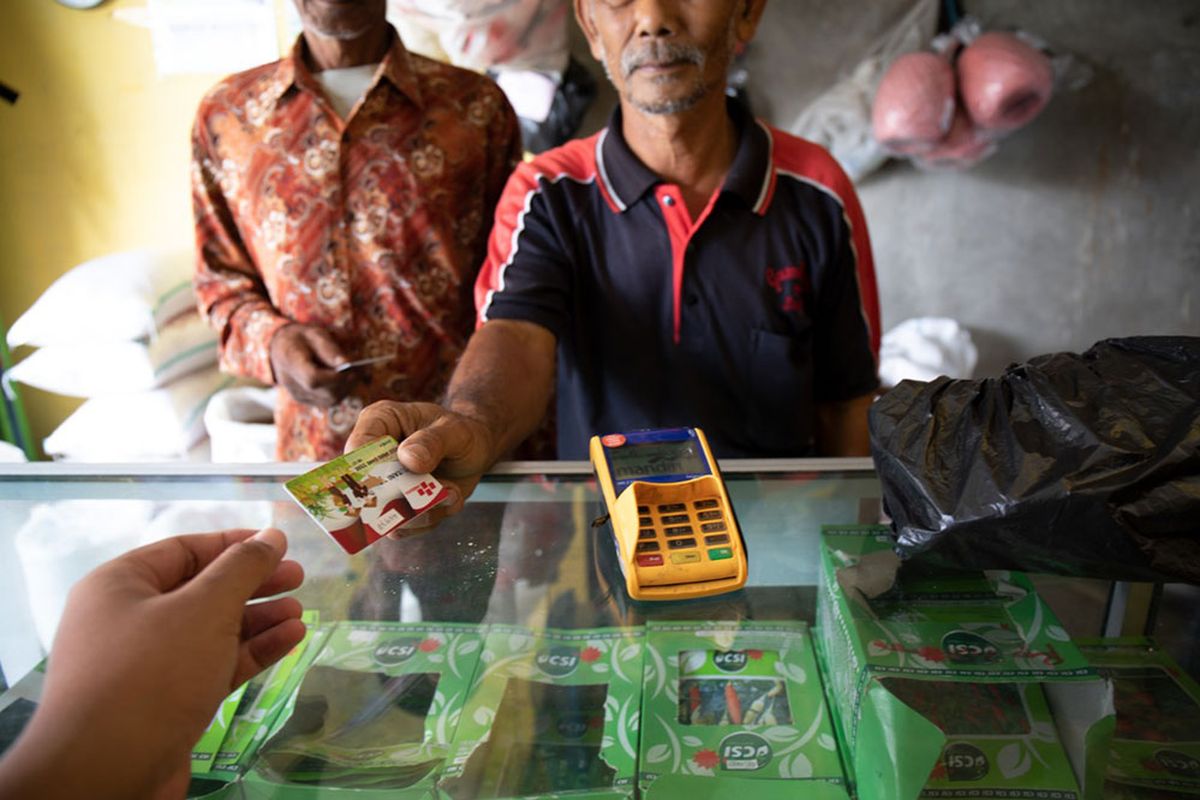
661	106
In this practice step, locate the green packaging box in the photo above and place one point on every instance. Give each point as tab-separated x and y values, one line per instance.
551	714
1156	742
241	721
732	707
374	715
265	698
953	684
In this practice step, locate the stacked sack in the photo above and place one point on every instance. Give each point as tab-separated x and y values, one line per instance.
948	108
123	331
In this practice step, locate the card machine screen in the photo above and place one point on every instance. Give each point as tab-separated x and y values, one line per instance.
648	460
675	530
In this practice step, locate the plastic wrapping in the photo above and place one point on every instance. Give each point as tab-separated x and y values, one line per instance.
914	104
963	146
1004	81
484	34
1085	465
840	119
948	108
573	96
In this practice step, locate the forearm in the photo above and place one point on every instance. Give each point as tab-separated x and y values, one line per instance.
77	760
842	427
236	304
504	381
246	325
230	291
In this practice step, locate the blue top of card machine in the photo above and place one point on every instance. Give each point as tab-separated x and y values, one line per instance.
676	534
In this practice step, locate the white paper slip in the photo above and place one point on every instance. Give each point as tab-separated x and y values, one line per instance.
362	362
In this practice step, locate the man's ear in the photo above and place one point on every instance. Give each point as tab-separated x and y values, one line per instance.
583	13
748	18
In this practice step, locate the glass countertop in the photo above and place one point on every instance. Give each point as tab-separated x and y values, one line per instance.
528	554
524	550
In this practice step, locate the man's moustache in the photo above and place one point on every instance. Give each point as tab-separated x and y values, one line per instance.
659	54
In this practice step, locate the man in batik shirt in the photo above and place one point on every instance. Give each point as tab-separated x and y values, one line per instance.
343	197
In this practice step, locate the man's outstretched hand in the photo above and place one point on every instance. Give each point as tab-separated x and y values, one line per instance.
149	645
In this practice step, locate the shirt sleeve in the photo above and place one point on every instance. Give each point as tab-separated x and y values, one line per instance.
229	290
526	275
847	314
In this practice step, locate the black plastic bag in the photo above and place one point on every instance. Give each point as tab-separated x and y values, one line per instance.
1084	465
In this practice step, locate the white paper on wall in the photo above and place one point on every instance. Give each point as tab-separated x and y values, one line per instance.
215	36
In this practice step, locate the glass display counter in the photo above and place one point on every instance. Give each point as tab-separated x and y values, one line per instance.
523	551
525	555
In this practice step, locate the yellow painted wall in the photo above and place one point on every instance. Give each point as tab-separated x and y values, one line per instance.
93	156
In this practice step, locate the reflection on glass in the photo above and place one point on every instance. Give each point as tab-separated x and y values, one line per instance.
341	717
545	739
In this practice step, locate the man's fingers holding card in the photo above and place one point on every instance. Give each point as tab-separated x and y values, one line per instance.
366	494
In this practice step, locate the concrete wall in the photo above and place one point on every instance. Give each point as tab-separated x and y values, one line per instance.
1082	226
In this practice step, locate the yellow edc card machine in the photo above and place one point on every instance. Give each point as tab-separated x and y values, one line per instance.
676	534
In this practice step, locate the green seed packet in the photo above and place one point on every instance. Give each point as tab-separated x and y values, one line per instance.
375	711
728	704
264	698
205	751
1030	715
1156	742
551	713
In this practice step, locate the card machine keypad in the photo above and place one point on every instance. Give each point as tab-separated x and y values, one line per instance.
675	528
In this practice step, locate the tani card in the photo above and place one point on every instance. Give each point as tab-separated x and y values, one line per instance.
363	496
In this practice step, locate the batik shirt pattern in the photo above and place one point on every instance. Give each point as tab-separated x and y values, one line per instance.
372	228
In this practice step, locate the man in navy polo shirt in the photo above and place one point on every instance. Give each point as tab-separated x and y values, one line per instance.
688	265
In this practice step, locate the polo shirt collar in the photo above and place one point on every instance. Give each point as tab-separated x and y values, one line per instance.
627	179
396	69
